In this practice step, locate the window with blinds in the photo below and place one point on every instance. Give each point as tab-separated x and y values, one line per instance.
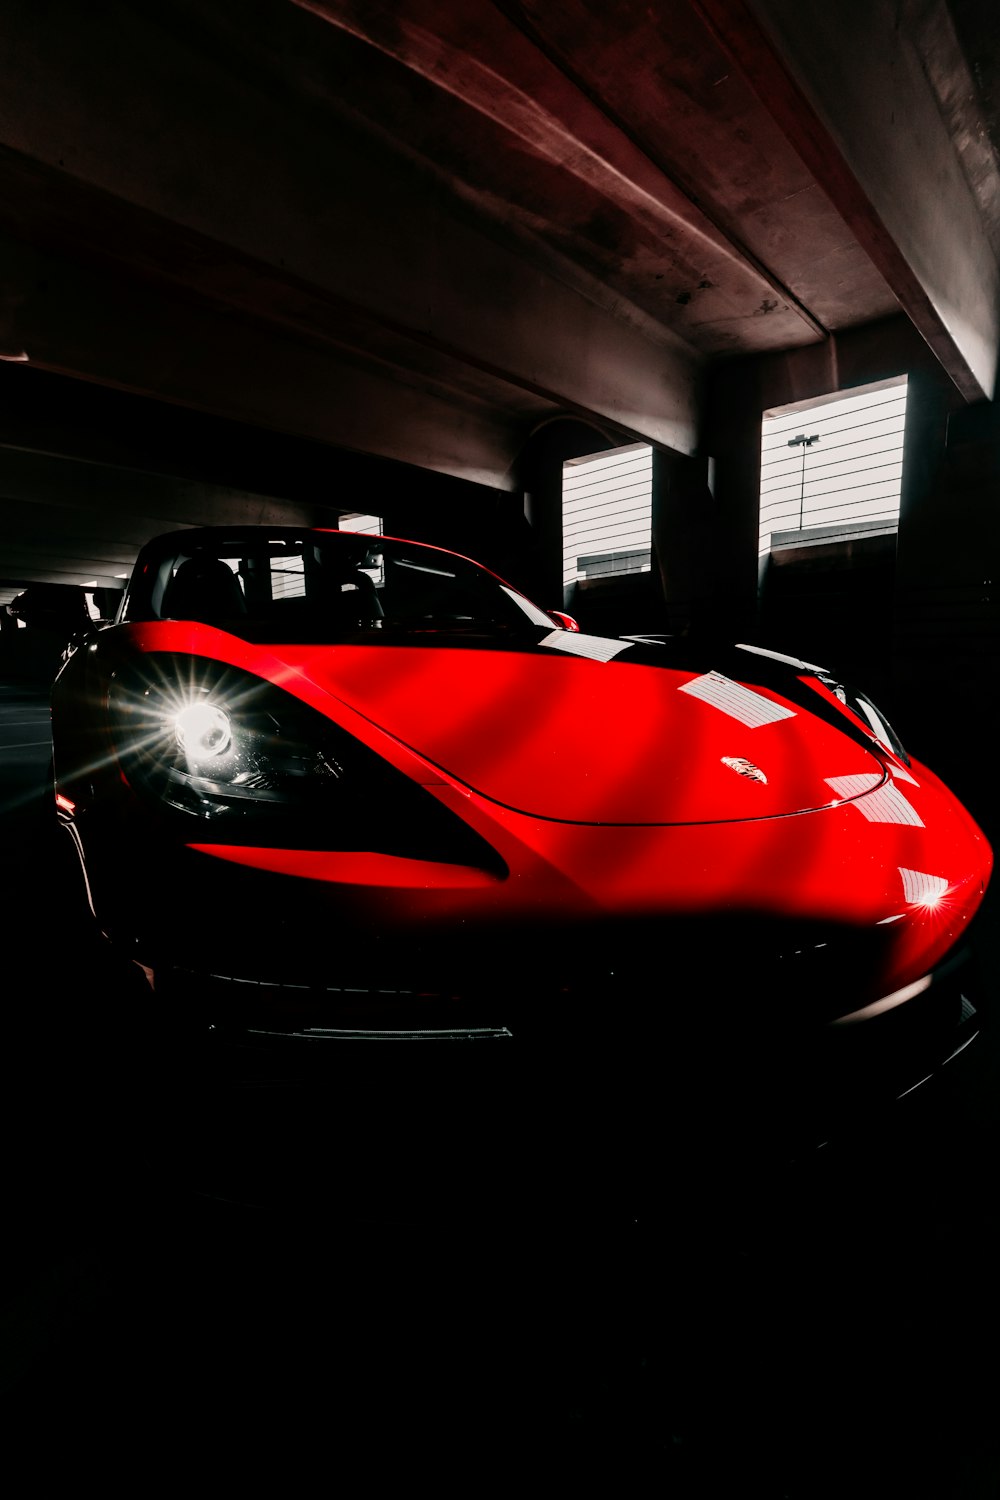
832	468
356	521
608	514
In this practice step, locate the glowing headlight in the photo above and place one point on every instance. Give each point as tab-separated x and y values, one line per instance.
213	743
203	730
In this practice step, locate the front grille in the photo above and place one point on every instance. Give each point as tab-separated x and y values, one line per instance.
711	1025
398	1034
272	1009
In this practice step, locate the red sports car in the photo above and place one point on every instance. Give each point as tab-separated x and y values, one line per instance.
328	786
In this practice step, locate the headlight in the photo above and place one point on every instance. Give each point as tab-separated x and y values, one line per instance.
203	730
222	745
253	764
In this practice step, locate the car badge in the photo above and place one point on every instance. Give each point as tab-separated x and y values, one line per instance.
744	767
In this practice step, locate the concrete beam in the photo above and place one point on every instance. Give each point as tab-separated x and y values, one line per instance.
143	503
847	86
475	54
330	213
65	520
78	319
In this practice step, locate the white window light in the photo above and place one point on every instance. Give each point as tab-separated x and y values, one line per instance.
608	513
92	609
356	521
832	467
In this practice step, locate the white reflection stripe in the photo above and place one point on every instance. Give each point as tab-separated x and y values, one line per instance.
885	805
899	774
792	661
74	834
738	702
888	1002
854	786
918	887
592	646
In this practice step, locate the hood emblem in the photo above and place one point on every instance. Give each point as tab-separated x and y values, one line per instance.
744	767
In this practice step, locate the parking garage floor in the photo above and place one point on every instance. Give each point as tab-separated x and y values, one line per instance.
823	1329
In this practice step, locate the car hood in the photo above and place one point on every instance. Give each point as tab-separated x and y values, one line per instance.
590	740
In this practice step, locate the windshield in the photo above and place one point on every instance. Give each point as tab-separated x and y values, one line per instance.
320	587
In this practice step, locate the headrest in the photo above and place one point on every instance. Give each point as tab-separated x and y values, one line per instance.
204	588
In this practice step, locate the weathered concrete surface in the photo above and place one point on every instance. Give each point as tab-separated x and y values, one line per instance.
870	127
421	231
326	236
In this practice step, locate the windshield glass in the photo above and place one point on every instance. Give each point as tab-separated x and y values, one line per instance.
320	587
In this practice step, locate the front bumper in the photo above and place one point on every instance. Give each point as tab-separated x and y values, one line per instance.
629	1043
612	1056
495	1124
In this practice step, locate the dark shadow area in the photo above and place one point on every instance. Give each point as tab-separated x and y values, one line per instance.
835	601
793	1330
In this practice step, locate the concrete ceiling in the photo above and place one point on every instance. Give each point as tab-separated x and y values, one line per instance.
420	229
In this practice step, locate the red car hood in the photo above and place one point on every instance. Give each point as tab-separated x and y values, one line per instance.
590	741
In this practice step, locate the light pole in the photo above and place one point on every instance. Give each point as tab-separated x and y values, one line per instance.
803	442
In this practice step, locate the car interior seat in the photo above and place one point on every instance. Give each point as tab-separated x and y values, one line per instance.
356	601
205	589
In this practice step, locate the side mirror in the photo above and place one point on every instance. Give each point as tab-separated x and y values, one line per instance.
565	622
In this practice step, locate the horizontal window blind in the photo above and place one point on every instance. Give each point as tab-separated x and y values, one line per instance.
356	521
835	464
608	513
